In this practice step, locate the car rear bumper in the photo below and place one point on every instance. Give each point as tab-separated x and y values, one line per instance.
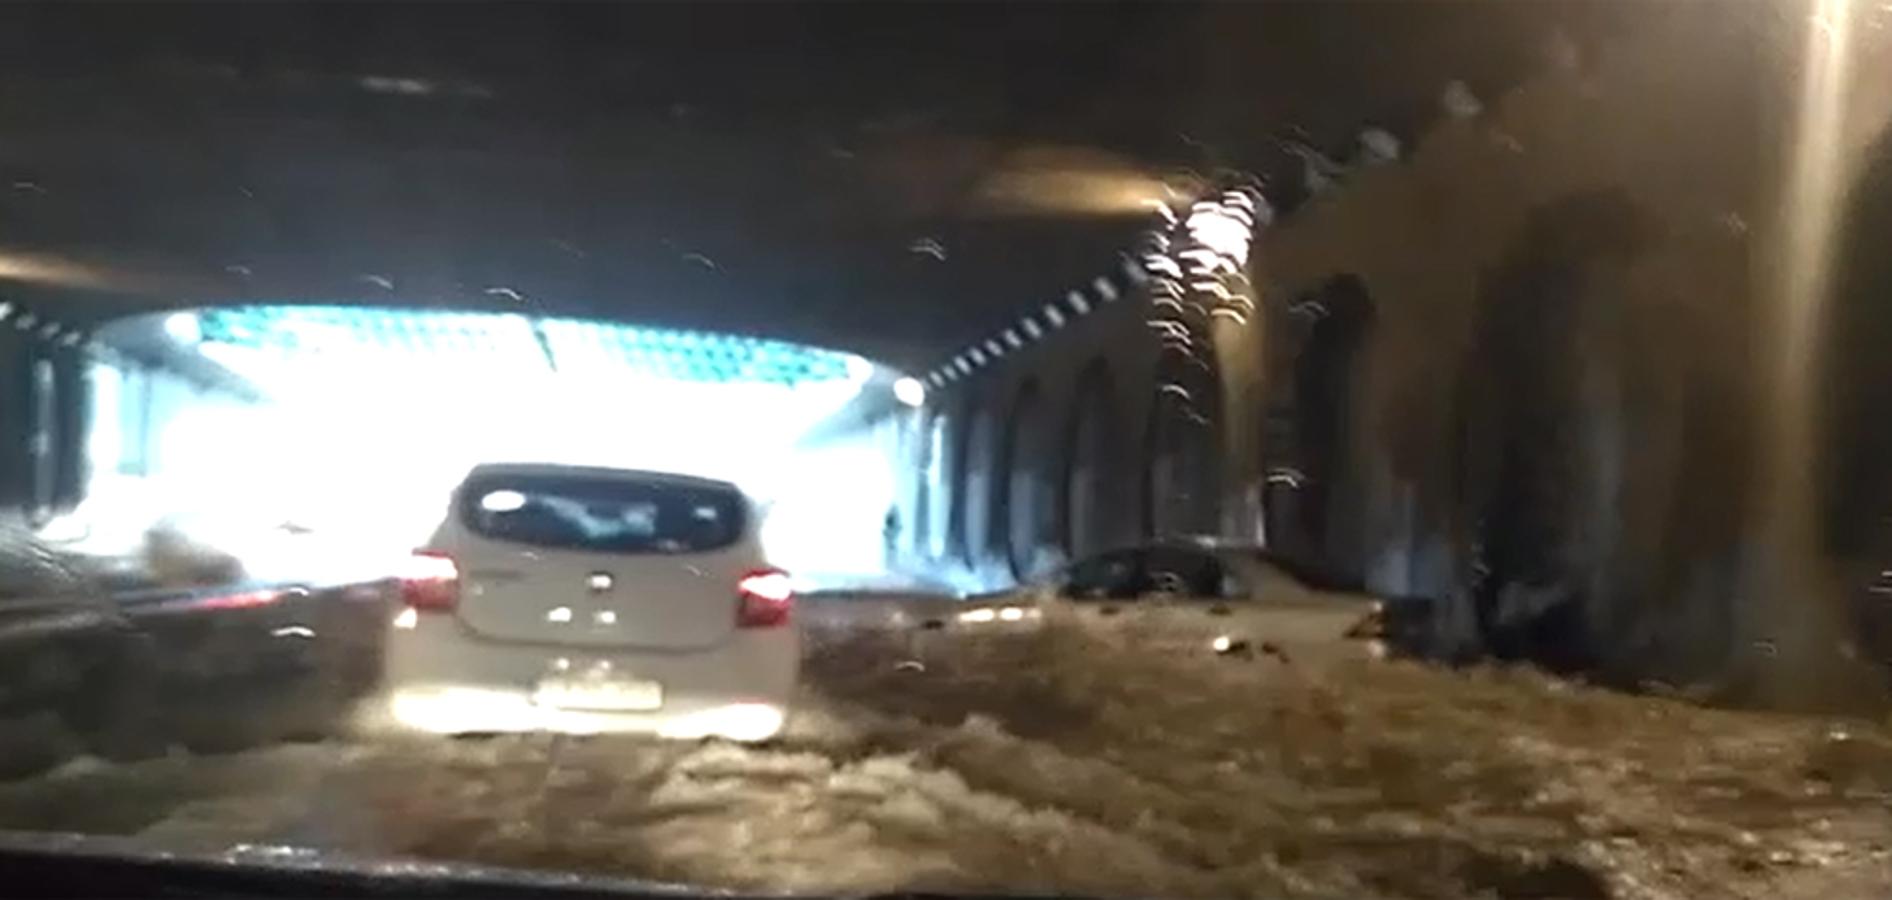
442	679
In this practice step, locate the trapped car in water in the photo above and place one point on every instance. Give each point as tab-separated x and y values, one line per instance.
1226	599
98	656
577	599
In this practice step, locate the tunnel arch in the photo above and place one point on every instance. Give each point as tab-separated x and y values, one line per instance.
1312	490
953	545
1024	511
973	483
1089	512
1543	450
1182	460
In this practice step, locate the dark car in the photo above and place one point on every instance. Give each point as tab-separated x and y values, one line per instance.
124	670
1225	598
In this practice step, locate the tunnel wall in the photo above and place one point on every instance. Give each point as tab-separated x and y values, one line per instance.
958	523
1557	404
1546	424
78	415
1565	417
165	443
44	399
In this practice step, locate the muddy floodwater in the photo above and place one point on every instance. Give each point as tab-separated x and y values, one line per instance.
1083	760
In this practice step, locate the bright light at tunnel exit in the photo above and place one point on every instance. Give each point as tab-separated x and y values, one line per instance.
183	327
369	440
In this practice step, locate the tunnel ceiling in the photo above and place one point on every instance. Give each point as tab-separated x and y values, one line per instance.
891	179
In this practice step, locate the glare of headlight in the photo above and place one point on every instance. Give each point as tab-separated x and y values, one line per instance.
1222	643
559	614
183	327
607	617
909	391
407	619
503	501
1011	614
858	369
978	615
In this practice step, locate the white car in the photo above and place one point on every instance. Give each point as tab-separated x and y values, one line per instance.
584	600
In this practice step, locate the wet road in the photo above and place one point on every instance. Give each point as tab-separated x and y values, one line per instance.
1079	760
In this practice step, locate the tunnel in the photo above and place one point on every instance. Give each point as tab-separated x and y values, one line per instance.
1320	449
1536	421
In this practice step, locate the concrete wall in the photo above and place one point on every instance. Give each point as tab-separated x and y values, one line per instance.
1027	411
43	400
1549	404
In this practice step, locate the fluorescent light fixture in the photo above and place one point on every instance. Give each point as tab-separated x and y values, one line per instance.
909	391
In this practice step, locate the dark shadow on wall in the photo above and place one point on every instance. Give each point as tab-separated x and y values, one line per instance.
1091	502
1024	512
1605	423
1314	496
958	466
1182	445
979	486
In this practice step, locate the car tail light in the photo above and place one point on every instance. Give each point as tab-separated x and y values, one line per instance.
765	598
431	582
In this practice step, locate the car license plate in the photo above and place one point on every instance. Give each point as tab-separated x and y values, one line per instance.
600	695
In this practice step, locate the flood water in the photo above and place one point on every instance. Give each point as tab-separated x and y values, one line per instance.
1081	760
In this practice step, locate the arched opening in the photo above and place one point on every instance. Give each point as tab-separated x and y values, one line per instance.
1182	448
1542	449
974	498
43	397
1089	515
1312	495
1028	512
955	498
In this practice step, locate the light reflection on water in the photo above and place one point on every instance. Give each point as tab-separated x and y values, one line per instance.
1801	615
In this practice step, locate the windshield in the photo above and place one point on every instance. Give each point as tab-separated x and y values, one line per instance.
1313	449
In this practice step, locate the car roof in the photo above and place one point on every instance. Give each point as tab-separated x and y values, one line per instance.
562	469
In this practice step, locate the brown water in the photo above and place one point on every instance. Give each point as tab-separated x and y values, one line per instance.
1093	760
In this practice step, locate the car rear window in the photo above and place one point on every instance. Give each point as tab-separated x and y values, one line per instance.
601	513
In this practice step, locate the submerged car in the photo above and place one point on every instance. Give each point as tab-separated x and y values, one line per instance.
1226	599
99	656
573	599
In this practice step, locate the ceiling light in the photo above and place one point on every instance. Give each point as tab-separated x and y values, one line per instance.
909	391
